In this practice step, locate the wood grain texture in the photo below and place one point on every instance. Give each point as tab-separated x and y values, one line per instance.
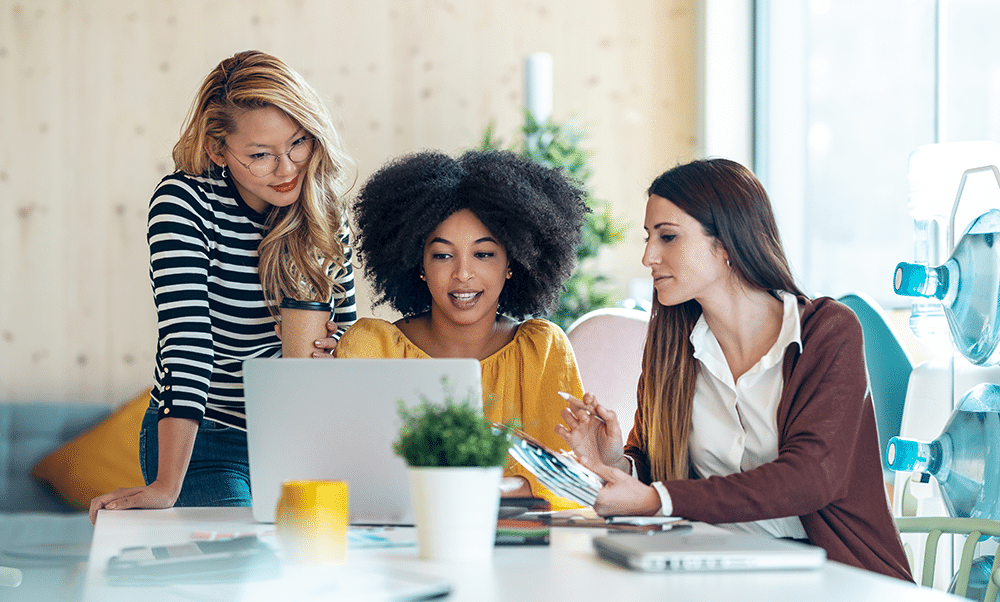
93	93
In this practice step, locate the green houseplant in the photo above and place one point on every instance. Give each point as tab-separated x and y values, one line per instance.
450	434
558	146
455	460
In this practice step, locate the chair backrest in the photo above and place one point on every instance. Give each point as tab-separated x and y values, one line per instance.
608	347
889	366
934	527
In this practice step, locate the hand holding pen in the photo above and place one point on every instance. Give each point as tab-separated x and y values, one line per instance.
588	404
592	432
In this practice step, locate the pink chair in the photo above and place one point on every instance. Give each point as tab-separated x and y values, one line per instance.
608	347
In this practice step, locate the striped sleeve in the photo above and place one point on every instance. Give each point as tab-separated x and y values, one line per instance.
345	309
179	271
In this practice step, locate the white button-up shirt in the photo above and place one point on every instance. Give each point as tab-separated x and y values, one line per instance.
734	425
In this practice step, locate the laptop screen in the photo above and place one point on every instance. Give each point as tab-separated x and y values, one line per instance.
336	419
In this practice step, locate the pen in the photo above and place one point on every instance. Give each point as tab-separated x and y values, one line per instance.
566	396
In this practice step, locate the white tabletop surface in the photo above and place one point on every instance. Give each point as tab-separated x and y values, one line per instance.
568	569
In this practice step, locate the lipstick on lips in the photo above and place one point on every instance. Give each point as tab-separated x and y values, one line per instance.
286	187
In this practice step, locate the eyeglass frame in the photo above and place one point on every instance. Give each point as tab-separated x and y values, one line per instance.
277	157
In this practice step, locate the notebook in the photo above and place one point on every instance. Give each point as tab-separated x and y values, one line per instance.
718	550
336	419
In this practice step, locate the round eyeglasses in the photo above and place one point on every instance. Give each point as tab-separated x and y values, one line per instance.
263	164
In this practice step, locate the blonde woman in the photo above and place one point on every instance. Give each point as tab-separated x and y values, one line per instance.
753	405
254	213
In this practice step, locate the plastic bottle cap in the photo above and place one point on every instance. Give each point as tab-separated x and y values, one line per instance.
901	454
909	279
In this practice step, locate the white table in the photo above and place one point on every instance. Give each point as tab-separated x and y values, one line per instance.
568	569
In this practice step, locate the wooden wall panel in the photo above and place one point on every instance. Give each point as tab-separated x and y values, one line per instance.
92	95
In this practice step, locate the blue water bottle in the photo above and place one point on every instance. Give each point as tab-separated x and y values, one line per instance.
965	459
968	286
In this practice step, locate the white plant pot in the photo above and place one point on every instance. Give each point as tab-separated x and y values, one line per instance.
456	511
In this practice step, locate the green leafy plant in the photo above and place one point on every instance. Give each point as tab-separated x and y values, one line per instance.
450	434
558	146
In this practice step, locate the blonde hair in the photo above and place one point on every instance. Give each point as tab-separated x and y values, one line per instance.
732	206
303	244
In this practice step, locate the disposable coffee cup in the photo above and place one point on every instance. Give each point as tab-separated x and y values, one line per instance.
302	323
311	521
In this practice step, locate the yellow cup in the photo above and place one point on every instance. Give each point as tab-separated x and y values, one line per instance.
312	521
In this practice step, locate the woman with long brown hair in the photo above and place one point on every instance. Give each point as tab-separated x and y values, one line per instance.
253	214
753	405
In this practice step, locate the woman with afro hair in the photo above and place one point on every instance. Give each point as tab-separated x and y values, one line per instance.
465	249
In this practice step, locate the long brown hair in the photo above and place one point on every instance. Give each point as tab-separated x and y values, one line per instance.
303	245
732	206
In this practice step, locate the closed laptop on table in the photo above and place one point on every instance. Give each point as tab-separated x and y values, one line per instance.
336	419
716	550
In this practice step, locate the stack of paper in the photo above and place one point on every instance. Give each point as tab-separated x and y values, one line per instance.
560	472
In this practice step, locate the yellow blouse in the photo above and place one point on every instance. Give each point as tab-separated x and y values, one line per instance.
522	379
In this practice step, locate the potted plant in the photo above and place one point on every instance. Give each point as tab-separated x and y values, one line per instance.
455	459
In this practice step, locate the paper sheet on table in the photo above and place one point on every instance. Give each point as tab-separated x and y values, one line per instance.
380	537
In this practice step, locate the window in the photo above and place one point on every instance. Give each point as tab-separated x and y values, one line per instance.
845	90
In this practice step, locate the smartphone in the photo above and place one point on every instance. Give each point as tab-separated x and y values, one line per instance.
221	561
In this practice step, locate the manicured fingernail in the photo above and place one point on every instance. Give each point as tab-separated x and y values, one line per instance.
565	396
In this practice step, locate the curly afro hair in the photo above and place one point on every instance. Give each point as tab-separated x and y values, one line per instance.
535	212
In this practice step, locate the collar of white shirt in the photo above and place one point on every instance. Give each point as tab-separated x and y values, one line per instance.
708	351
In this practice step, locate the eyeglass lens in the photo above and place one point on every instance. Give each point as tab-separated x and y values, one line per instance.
265	166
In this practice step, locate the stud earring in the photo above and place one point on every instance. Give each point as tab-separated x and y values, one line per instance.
509	274
423	277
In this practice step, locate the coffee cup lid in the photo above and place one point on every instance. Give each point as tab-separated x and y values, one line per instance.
289	303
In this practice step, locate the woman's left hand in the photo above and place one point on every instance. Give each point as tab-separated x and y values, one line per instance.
622	494
324	347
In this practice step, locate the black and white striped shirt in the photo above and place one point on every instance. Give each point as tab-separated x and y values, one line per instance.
209	301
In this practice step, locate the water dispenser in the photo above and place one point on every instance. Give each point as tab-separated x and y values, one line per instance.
949	432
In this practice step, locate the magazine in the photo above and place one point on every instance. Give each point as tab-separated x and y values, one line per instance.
561	472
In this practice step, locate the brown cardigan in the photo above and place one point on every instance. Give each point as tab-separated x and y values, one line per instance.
828	469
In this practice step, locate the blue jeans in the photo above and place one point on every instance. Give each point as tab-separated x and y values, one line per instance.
219	471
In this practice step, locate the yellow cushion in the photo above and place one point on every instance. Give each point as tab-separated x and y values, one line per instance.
101	460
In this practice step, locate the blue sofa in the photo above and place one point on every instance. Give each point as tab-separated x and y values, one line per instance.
39	533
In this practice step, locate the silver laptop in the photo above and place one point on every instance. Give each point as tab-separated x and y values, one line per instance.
718	550
336	419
